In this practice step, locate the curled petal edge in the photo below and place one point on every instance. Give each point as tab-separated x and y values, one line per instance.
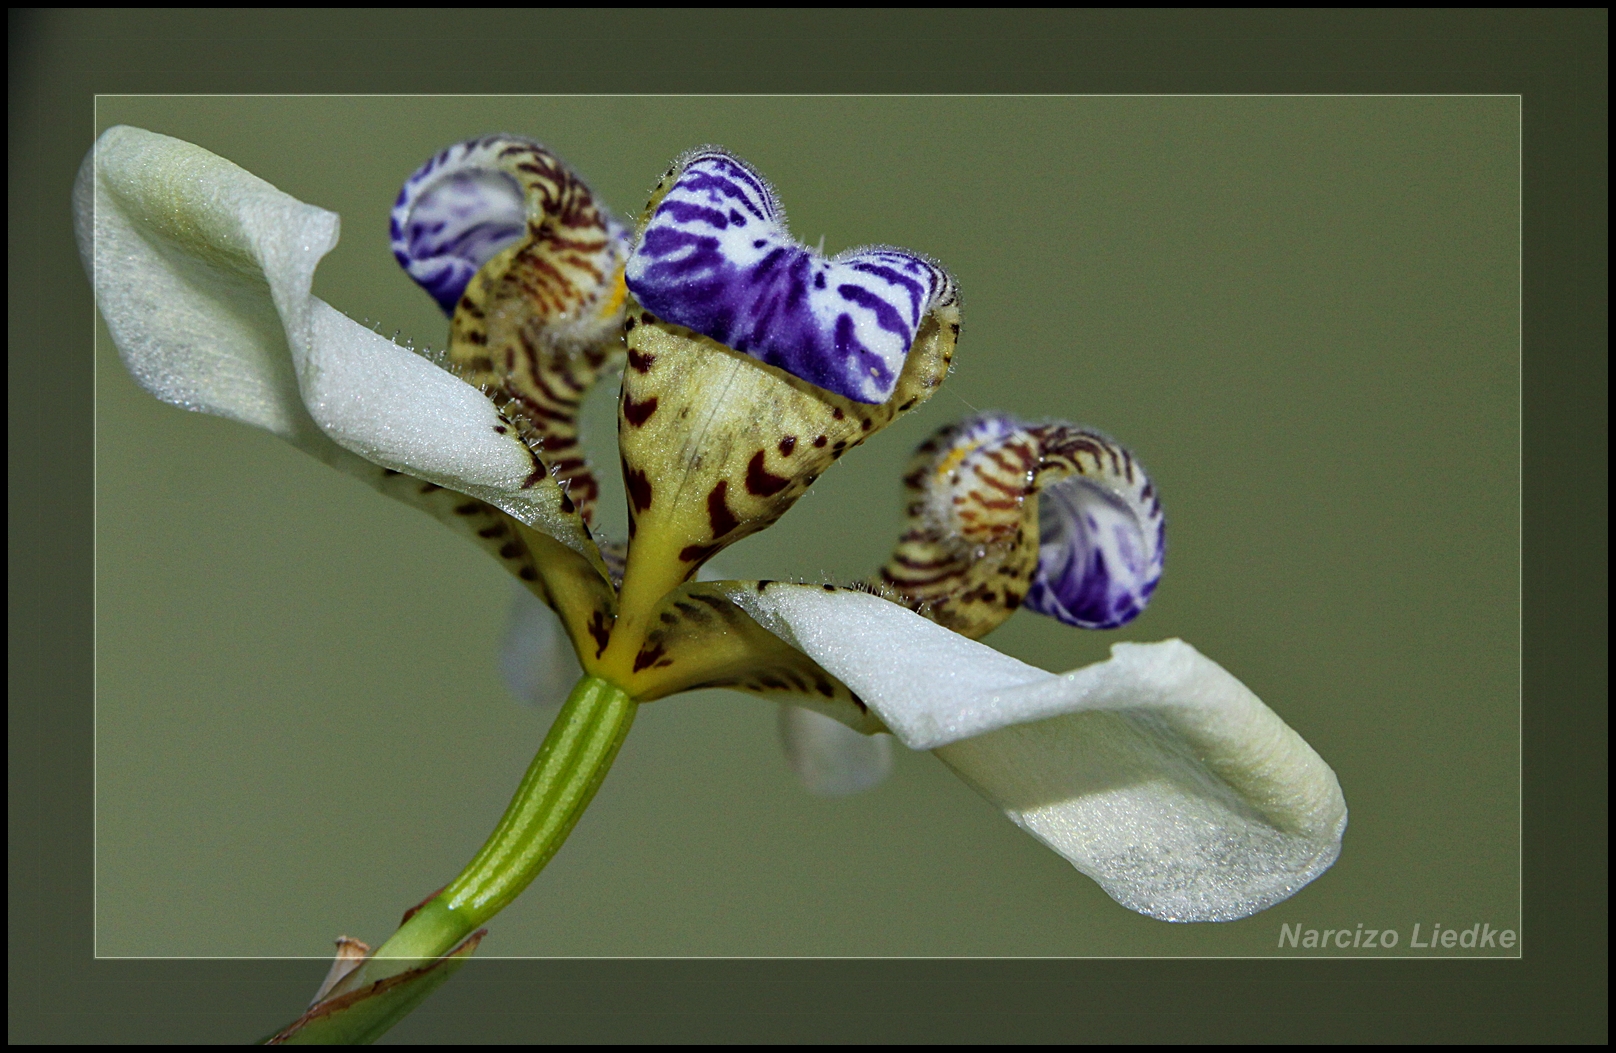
454	214
1156	773
203	273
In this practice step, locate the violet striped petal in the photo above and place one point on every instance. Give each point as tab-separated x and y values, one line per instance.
716	257
1102	535
1004	514
454	214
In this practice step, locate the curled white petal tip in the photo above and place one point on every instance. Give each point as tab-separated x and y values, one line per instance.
830	758
1156	772
1168	782
203	273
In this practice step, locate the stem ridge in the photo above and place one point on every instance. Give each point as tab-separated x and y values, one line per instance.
565	774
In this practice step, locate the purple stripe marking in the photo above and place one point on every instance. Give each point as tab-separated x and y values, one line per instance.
1096	569
453	215
844	324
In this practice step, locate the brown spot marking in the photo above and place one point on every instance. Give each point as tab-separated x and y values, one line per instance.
765	583
497	530
510	550
648	656
837	414
819	443
639	488
697	553
637	413
600	631
528	574
629	324
470	508
760	482
718	513
788	444
566	503
828	588
500	429
859	702
864	423
640	362
907	406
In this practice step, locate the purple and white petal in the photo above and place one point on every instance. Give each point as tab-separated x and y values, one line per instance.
1102	535
716	257
454	214
460	210
1088	549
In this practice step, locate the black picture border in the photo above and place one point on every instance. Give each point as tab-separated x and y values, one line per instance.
1557	61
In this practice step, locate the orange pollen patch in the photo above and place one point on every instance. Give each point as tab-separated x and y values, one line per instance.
614	300
953	459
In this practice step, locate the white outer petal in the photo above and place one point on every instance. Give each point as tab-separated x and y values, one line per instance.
200	269
203	271
937	687
1156	773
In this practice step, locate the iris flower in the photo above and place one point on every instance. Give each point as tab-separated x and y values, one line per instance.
750	363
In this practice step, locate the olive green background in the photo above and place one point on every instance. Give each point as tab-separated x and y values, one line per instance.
1302	313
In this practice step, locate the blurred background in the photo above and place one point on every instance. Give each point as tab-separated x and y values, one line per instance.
1301	313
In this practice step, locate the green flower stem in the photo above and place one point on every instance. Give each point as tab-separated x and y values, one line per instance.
558	786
